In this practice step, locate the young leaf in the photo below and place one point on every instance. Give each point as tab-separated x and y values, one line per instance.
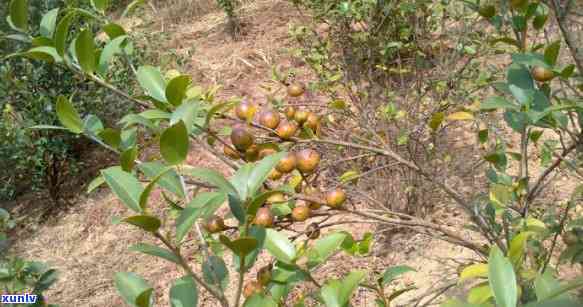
184	292
85	51
279	246
130	286
125	186
473	271
145	222
176	89
48	23
174	143
153	250
152	82
502	279
516	250
68	116
19	14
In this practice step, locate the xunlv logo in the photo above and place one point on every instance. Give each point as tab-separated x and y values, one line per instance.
18	298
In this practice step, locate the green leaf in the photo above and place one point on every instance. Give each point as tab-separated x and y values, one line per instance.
213	177
479	294
184	292
156	251
337	294
145	222
46	280
517	245
100	5
473	271
261	171
145	299
237	210
325	247
259	200
279	246
125	186
95	183
176	89
203	205
85	51
260	300
146	193
169	180
132	6
242	246
155	114
112	48
127	158
258	233
436	120
152	82
174	143
518	121
92	125
502	279
393	272
62	31
19	14
239	180
544	284
214	271
497	102
48	23
130	286
111	137
68	116
552	52
114	30
187	113
43	53
564	288
519	76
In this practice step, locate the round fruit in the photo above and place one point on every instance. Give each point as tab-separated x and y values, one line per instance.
335	198
276	198
312	121
290	112
300	213
308	160
295	90
245	110
266	151
264	275
542	74
230	152
487	11
264	217
301	116
570	238
275	174
269	119
287	163
241	138
252	153
252	287
214	224
286	130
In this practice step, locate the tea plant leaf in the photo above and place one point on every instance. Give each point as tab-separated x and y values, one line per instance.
184	292
174	143
152	82
19	14
130	286
153	250
68	116
48	23
502	279
125	186
85	51
279	246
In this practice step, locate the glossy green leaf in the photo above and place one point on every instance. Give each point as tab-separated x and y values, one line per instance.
261	171
152	82
145	299
325	247
278	245
203	205
174	143
112	48
337	293
258	233
68	116
239	180
176	89
169	180
260	300
260	200
544	284
62	31
19	14
212	177
92	125
242	246
43	53
215	272
552	52
519	76
502	279
130	286
479	294
145	222
48	23
237	210
186	112
95	183
517	245
135	119
111	137
128	158
184	292
474	271
155	114
85	51
156	251
151	185
100	5
114	30
563	288
125	186
393	272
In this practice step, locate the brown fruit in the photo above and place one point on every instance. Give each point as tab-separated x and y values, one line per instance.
295	90
286	130
214	224
264	217
335	198
275	174
276	198
300	213
266	151
313	231
231	153
269	119
252	153
252	287
312	121
241	138
308	160
264	275
542	74
301	116
287	163
245	110
290	112
570	238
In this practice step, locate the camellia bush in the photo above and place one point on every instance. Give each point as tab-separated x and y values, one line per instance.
277	201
